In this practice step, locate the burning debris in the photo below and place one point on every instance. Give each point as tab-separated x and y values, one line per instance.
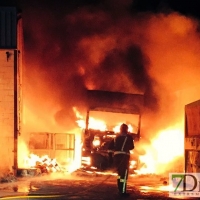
7	177
48	166
40	165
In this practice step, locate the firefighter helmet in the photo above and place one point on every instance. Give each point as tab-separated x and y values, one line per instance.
123	128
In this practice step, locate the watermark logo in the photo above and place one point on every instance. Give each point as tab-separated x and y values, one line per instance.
184	185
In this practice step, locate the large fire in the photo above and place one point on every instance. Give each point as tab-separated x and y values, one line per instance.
97	124
157	53
48	164
160	154
164	150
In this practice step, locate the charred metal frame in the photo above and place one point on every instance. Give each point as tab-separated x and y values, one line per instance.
118	102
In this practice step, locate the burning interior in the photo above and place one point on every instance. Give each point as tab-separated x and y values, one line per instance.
111	109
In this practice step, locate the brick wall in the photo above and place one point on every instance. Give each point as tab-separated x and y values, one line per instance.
6	109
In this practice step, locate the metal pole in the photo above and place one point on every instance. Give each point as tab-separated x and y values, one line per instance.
15	112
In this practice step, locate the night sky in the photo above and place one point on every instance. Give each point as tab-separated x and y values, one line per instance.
186	7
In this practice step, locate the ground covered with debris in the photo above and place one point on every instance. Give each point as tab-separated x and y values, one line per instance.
85	185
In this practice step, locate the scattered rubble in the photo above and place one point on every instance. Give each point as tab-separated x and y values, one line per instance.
164	180
39	166
26	172
7	177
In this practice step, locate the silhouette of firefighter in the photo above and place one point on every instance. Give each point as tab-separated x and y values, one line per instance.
120	148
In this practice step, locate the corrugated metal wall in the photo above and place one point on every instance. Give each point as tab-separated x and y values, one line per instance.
8	27
192	164
192	137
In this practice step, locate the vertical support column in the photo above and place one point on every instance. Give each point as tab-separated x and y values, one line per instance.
87	120
139	127
185	135
15	112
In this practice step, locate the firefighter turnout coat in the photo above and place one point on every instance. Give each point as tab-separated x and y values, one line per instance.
120	147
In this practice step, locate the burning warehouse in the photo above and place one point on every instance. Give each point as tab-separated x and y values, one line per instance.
68	53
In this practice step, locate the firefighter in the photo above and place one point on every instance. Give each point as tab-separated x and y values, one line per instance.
120	147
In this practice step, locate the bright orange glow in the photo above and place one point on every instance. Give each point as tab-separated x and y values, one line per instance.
77	113
86	160
116	129
96	141
27	159
23	153
166	46
132	164
164	150
100	125
94	124
97	124
157	188
32	161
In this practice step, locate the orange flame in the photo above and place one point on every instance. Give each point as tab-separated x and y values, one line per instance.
163	152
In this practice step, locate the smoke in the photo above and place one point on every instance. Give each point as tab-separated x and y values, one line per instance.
172	47
104	46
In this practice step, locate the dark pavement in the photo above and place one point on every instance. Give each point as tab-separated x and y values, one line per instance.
83	186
